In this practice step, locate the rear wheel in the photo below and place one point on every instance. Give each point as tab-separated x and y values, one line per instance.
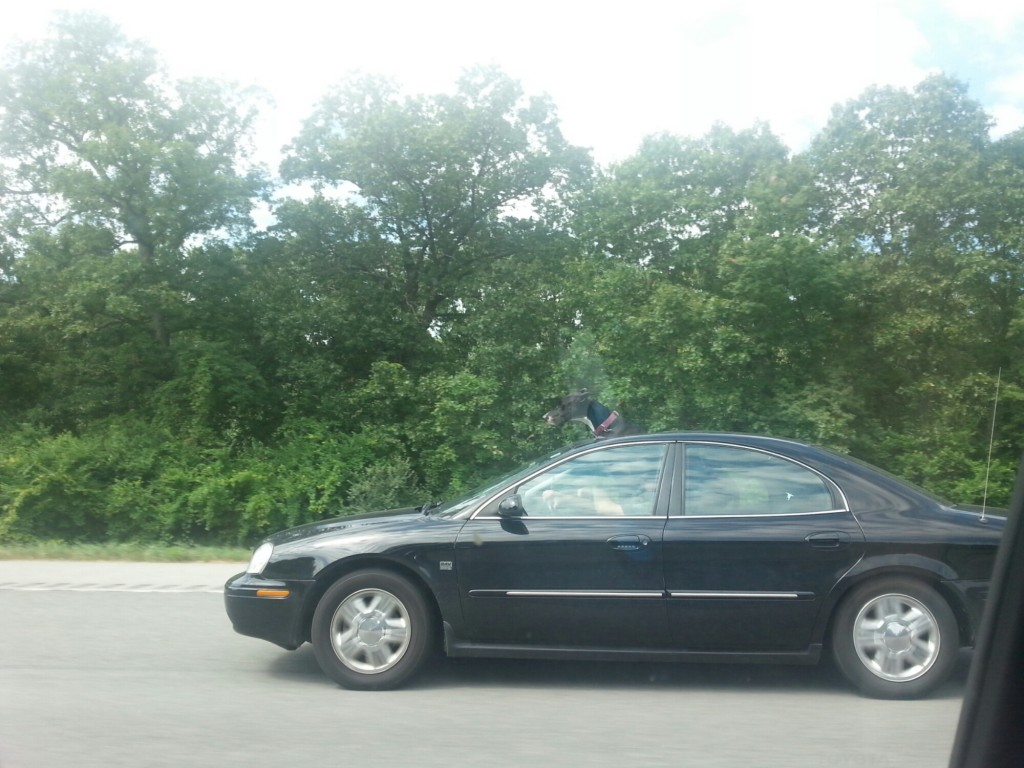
895	638
372	630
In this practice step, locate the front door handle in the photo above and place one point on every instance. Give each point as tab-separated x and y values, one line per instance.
629	543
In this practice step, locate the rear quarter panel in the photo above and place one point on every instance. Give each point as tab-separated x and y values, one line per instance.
911	534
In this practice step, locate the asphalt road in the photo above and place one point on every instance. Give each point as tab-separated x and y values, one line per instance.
128	664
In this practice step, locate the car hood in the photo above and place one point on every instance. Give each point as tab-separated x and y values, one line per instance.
351	524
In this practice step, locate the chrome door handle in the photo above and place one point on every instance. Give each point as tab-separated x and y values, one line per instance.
627	543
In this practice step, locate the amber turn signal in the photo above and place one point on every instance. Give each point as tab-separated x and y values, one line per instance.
272	593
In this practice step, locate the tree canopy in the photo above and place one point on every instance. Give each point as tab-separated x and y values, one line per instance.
172	371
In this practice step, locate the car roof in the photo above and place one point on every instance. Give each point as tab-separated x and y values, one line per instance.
738	438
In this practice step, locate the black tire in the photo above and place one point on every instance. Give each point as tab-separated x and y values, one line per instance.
895	638
372	630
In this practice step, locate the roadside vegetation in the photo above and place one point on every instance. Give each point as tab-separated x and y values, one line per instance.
127	551
176	370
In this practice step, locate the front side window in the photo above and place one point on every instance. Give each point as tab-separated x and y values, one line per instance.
727	480
622	480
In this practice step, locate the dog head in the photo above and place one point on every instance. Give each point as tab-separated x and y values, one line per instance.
572	406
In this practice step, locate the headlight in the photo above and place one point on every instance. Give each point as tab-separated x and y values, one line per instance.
260	557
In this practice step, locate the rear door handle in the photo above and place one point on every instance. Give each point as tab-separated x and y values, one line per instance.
828	539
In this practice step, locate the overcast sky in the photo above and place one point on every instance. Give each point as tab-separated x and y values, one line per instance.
616	71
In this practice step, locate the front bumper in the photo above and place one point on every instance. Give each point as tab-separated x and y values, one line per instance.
257	609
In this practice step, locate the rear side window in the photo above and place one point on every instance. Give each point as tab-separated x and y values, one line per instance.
727	480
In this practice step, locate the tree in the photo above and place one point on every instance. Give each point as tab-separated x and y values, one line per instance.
713	302
112	179
432	183
670	207
914	193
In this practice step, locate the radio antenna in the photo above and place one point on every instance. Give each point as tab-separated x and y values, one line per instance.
991	440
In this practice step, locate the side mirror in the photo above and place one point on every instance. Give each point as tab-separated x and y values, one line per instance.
511	506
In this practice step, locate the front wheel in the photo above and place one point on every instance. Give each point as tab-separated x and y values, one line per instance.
895	638
372	630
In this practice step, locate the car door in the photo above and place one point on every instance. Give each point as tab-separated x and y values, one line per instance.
578	562
760	540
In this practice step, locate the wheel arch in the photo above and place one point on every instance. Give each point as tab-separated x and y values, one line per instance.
931	573
337	570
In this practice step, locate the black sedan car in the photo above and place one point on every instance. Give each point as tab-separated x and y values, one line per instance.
680	547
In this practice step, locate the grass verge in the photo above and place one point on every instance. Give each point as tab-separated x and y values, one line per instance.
157	553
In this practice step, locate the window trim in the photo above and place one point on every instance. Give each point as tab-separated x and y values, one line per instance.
662	505
681	478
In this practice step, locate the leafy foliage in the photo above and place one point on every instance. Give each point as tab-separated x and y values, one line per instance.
172	374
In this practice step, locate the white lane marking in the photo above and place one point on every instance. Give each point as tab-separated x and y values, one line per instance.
15	586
